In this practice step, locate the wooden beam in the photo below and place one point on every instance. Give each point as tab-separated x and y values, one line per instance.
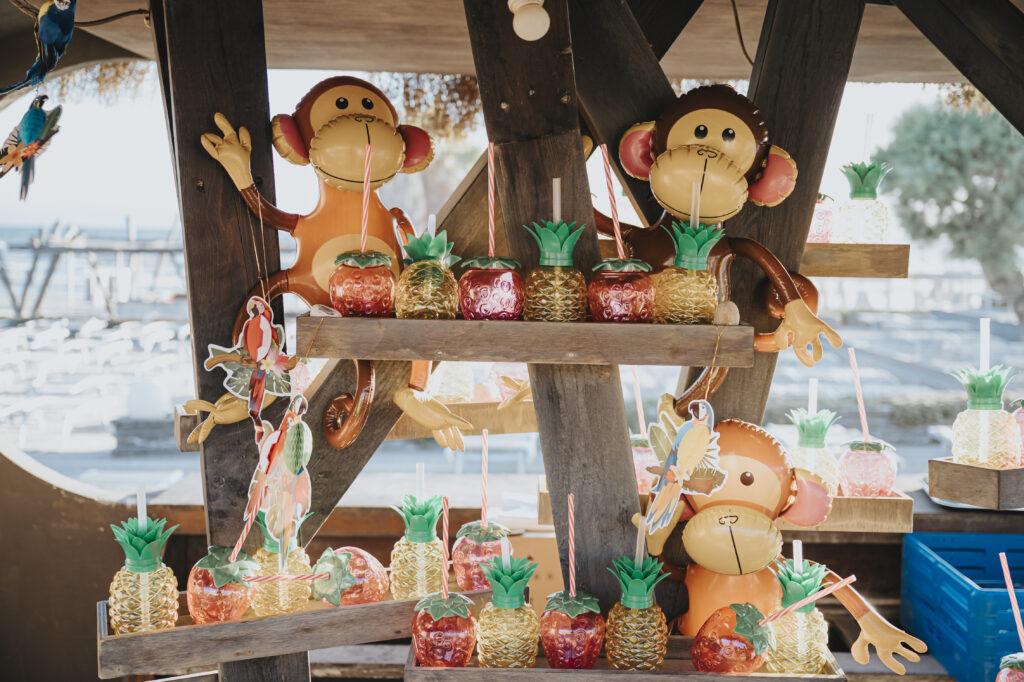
530	108
802	63
984	42
661	21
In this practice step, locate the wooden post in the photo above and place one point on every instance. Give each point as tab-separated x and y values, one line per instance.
530	108
803	59
216	62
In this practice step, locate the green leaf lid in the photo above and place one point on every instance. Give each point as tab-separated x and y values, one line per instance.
478	533
1013	662
622	265
869	446
571	606
984	389
812	427
420	517
637	584
269	543
761	637
508	585
864	178
693	246
224	571
556	242
362	260
339	576
492	263
142	549
437	607
430	247
798	585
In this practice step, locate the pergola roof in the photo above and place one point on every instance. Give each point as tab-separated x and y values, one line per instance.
431	36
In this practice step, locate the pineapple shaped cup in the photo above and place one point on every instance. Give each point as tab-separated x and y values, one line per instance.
686	291
417	568
509	627
555	289
801	637
810	453
985	434
637	634
863	219
427	289
286	596
144	593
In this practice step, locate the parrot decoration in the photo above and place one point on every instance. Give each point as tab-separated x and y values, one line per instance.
53	27
689	455
28	140
255	365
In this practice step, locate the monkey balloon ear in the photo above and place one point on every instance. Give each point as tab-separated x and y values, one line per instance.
635	150
811	504
419	149
288	140
777	180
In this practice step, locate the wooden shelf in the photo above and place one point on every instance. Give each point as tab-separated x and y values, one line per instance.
677	665
191	646
1000	489
573	343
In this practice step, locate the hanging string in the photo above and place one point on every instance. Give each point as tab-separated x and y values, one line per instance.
611	198
255	253
714	358
739	33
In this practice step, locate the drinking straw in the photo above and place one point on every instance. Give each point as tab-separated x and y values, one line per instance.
1013	598
695	206
490	202
638	554
556	200
641	422
572	546
506	552
984	344
812	396
483	478
611	199
421	484
807	600
366	200
798	556
140	505
860	395
247	527
444	547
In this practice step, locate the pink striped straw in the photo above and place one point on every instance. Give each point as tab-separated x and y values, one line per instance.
247	527
286	578
611	199
444	546
572	546
483	478
641	422
1013	597
807	600
490	205
860	395
366	200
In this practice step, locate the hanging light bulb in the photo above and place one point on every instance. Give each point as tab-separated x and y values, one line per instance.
529	19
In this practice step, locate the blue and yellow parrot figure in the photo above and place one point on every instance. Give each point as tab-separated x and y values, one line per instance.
27	141
54	25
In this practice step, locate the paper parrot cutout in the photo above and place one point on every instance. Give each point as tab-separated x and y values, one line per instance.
255	364
28	140
54	25
689	455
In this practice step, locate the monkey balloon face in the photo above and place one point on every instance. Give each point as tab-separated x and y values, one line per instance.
733	530
710	142
333	124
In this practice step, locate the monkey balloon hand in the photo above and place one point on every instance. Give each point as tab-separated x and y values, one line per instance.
800	328
432	414
888	640
231	151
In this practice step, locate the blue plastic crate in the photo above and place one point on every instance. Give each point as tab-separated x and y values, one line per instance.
953	596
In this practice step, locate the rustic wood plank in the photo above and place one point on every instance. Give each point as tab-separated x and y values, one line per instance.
574	343
801	67
517	418
184	424
887	261
268	669
254	639
981	487
530	109
893	514
983	41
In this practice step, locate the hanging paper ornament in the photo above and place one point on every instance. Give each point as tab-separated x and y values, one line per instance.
509	627
863	219
144	593
27	141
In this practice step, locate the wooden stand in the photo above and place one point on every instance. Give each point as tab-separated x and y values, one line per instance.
968	484
677	666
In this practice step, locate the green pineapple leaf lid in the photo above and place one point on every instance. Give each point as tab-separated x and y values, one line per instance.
622	265
508	585
1013	661
571	606
761	637
799	584
360	259
269	543
298	446
864	178
693	246
637	583
870	446
556	242
492	263
224	571
479	533
437	607
142	549
430	247
812	427
420	517
339	577
984	389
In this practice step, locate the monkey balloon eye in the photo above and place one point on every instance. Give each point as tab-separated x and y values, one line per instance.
747	478
700	132
341	103
367	103
728	134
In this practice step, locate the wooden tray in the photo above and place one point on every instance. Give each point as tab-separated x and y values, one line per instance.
999	489
677	665
190	646
573	343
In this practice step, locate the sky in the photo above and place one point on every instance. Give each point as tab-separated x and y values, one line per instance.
109	163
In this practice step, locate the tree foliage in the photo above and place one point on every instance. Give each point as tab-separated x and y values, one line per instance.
959	173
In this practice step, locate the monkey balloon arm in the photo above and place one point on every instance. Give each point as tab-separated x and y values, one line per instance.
267	212
767	261
405	225
651	244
